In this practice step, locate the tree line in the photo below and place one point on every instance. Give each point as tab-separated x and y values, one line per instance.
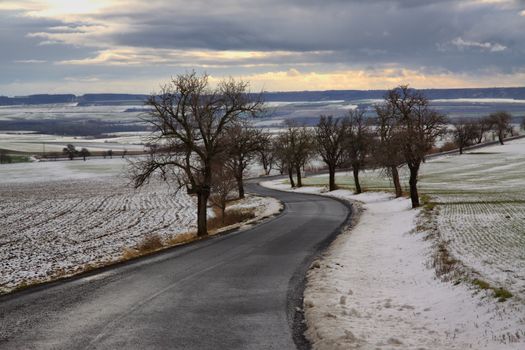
204	141
403	132
470	131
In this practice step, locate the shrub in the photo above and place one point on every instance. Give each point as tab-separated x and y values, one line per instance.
150	243
232	216
502	294
448	146
499	293
481	284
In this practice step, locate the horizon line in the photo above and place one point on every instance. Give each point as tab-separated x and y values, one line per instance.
266	91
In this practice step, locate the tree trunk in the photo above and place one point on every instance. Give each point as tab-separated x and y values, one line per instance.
414	196
299	179
355	170
240	187
202	212
290	175
460	149
331	183
269	166
265	165
397	183
223	214
239	179
500	137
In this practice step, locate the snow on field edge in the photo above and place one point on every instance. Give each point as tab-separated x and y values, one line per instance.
373	289
21	277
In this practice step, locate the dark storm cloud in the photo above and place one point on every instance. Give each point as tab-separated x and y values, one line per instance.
444	33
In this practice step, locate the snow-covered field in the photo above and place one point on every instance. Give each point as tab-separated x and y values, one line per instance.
373	289
41	143
59	217
71	111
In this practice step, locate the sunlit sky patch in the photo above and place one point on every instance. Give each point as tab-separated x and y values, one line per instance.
81	46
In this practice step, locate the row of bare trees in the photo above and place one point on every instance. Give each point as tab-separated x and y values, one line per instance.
403	133
203	142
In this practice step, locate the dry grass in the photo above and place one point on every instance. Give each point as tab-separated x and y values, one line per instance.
447	146
152	243
180	238
149	244
445	265
499	293
447	268
232	217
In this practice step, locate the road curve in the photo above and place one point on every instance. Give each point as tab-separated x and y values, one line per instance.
236	291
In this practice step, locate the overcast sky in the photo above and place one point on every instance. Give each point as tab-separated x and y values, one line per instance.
78	46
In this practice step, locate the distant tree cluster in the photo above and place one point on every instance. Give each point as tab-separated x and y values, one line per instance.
5	158
71	152
109	153
469	131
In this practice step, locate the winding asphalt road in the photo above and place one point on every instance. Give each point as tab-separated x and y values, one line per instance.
237	291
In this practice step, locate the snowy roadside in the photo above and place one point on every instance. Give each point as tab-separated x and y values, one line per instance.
373	289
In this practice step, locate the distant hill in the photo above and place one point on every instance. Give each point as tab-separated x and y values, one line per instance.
110	99
346	95
352	95
36	99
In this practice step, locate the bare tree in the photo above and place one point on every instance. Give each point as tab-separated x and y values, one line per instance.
242	143
84	152
465	133
358	143
293	149
388	152
302	146
190	120
330	143
284	153
222	188
501	123
279	157
266	153
420	126
70	151
483	125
